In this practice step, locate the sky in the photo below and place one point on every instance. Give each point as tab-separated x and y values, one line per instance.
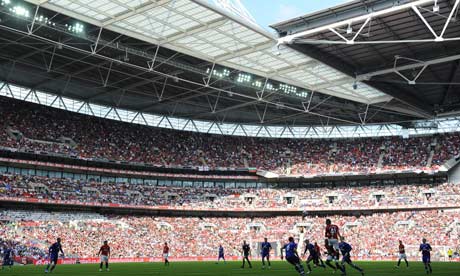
267	12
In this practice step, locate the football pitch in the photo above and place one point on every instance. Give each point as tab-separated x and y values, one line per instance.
231	268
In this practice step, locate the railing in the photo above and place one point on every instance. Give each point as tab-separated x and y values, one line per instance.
241	209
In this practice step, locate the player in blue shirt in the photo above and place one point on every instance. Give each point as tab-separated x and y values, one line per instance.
425	248
53	253
345	249
221	254
312	255
265	253
7	257
292	257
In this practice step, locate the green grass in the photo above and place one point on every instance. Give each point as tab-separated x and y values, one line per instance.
230	269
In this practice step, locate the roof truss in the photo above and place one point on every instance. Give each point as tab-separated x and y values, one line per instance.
238	44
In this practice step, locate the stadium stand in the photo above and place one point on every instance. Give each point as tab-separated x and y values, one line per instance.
373	235
88	137
78	191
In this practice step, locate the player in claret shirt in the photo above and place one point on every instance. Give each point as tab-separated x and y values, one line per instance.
402	254
104	252
425	248
332	234
166	253
312	256
318	250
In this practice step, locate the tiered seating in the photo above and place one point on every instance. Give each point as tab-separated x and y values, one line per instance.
374	235
78	191
41	128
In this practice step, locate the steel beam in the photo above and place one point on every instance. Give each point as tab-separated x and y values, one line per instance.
187	50
290	38
368	76
135	11
455	71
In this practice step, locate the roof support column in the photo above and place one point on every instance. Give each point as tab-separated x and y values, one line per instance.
94	46
210	74
31	28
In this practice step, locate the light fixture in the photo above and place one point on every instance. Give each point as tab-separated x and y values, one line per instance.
276	49
243	78
20	11
5	2
78	28
436	6
349	28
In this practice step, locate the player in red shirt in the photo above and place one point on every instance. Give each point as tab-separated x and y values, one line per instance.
332	234
402	254
318	251
166	253
104	252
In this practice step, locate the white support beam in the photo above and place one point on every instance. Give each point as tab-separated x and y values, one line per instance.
419	14
245	51
290	69
122	31
135	11
40	2
369	75
221	60
338	82
451	14
405	41
324	87
198	29
290	38
444	124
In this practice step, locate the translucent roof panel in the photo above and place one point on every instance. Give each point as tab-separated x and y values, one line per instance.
216	33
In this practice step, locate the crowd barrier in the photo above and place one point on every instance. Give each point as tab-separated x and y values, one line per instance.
179	208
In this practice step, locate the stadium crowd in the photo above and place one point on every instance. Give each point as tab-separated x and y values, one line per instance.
372	235
32	127
79	191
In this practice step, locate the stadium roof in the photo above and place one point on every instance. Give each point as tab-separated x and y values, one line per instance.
406	49
210	64
208	32
188	59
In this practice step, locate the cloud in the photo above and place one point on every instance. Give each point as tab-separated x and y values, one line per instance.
286	12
